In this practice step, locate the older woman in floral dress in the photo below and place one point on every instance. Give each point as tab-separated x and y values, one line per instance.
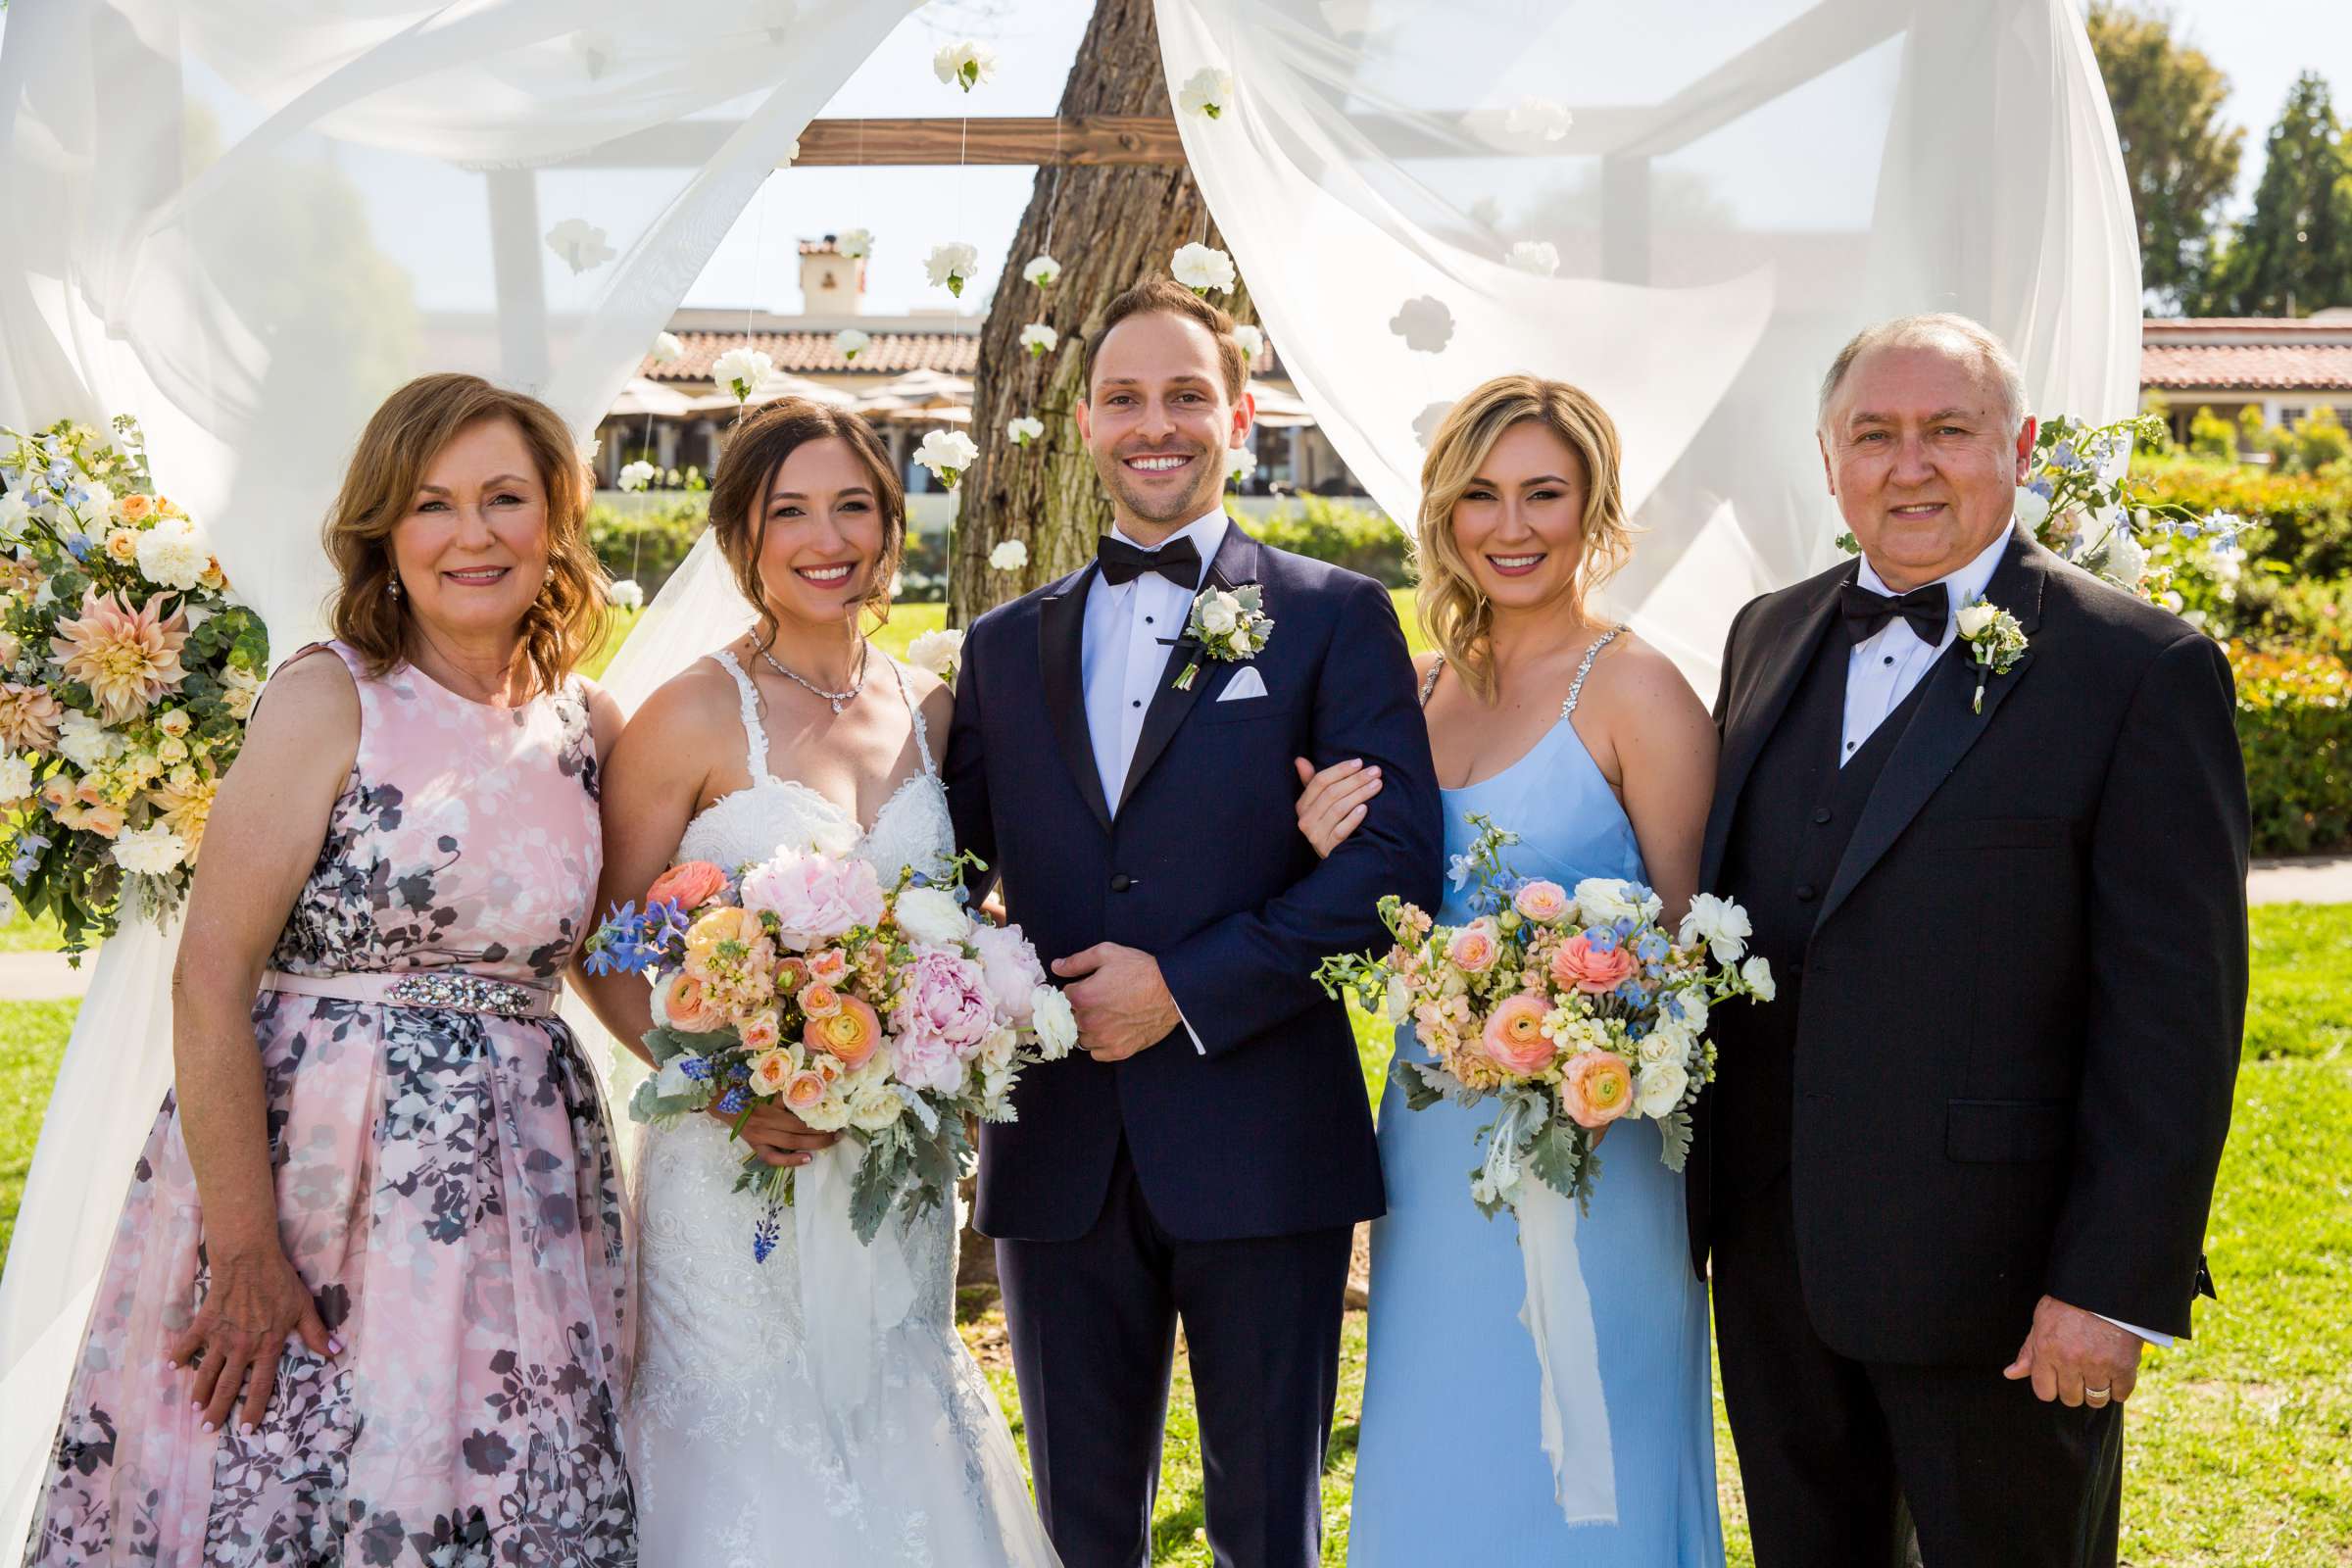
367	1301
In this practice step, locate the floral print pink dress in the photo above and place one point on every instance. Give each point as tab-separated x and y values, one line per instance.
446	1185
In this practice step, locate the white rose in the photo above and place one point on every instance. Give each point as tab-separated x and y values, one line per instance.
936	652
637	475
2030	508
931	914
152	851
873	1107
828	1115
668	349
1206	92
850	342
172	555
1539	257
1251	340
1042	270
952	265
1758	975
1659	1087
1604	900
1038	338
1973	618
1239	642
856	242
1721	923
965	62
16	777
1666	1042
1021	429
1010	555
1203	269
1220	615
85	743
2126	557
1055	1025
624	593
739	371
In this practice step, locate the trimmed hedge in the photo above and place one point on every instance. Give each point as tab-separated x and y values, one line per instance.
2303	521
1358	538
2294	725
645	537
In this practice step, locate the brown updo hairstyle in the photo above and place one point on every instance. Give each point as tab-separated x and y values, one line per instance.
1457	616
755	448
566	622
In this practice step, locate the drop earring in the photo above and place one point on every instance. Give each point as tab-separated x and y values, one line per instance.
393	588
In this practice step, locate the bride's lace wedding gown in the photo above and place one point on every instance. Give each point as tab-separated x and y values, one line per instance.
738	1459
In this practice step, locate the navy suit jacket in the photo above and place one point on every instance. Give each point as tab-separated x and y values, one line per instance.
1266	1130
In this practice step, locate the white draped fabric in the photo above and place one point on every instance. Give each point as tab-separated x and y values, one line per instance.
1728	188
1684	209
245	221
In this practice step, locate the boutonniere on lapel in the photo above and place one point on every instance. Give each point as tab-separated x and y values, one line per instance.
1227	623
1994	640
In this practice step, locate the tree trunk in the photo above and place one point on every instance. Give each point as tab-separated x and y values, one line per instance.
1109	227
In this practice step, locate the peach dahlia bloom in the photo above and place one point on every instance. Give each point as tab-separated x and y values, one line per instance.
126	658
28	717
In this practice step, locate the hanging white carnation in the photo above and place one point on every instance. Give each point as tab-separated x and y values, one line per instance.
937	651
947	454
668	349
637	475
1041	271
740	371
1203	267
850	342
1010	555
151	850
952	264
1537	256
1539	119
580	244
1251	340
1206	92
856	242
1039	339
965	62
624	593
1021	429
1240	464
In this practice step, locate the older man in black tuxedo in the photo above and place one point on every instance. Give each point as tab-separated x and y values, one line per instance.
1958	1174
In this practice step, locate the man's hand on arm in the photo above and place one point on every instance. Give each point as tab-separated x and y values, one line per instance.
1122	1001
2076	1358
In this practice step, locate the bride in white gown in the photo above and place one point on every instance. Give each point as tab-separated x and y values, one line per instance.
815	1407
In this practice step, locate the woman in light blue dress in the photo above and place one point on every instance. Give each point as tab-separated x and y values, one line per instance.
1591	748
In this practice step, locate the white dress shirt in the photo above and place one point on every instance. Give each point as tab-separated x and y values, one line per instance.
1124	654
1884	668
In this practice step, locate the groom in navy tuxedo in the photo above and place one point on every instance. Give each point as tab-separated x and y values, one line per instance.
1206	1157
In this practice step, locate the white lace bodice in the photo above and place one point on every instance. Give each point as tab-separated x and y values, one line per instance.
736	1458
912	828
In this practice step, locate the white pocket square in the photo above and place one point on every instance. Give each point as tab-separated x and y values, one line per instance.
1249	683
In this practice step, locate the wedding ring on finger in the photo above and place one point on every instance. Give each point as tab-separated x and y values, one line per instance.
2097	1398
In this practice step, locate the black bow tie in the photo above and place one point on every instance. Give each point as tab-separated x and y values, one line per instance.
1179	561
1926	610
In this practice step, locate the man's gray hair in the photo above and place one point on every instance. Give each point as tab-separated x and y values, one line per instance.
1956	334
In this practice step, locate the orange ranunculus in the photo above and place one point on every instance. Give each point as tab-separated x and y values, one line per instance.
1596	1087
689	885
690	1009
1514	1038
849	1033
1578	965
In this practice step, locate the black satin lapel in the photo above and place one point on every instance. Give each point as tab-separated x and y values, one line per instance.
1944	726
1060	634
1750	724
1236	563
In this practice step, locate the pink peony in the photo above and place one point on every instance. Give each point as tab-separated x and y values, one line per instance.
814	898
1578	965
944	994
1541	900
1013	972
1474	947
1596	1088
1514	1036
926	1062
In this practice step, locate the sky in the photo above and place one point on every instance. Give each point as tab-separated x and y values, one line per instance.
2260	45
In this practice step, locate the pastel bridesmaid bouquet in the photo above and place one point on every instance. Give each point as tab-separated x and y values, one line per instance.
888	1014
1571	1008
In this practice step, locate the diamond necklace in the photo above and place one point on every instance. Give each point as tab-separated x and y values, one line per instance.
836	700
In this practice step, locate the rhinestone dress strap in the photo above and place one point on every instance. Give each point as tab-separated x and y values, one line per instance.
922	732
755	737
1584	667
1429	682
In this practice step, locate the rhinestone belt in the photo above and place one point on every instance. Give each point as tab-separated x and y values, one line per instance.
451	989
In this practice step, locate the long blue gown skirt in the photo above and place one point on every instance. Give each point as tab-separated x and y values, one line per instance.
1450	1463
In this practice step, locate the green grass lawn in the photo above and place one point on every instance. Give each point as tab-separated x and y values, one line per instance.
2239	1451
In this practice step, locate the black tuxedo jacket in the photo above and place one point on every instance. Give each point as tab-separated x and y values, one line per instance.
2024	990
1266	1130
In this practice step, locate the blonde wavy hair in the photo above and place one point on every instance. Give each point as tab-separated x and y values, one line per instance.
1455	614
565	624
